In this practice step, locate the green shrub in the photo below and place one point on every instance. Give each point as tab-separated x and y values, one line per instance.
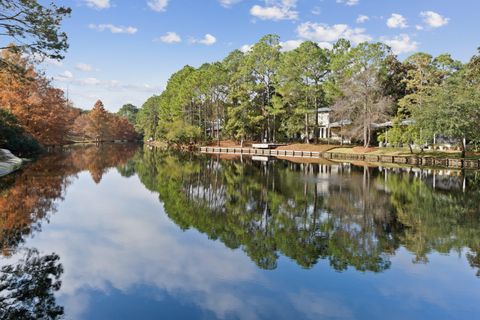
13	138
180	133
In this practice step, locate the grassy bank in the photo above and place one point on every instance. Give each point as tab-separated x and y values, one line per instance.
405	152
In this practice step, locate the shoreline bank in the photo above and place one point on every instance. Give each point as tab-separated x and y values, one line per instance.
413	160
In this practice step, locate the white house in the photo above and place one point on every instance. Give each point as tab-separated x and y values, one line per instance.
330	130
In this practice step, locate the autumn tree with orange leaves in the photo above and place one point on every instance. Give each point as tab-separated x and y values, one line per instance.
122	129
41	110
101	125
27	97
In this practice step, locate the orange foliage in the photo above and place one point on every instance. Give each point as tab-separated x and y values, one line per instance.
101	125
44	112
122	129
37	188
41	109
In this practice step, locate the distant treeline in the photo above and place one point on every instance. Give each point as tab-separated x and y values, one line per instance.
269	94
33	113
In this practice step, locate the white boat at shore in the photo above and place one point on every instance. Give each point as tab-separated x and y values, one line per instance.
8	162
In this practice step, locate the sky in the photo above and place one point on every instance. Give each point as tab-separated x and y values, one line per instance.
124	51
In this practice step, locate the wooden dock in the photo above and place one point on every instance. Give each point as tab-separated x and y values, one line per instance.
405	160
266	145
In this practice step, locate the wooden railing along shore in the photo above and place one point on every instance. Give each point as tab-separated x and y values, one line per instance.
407	160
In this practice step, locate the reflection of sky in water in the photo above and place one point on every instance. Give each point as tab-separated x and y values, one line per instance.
124	259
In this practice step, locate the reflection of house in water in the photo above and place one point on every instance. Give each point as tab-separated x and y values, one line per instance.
324	175
441	179
327	174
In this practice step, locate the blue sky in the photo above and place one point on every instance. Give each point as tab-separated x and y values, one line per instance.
124	51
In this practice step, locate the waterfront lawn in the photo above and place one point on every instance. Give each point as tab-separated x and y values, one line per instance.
405	152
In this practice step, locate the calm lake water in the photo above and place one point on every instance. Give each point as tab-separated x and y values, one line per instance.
134	233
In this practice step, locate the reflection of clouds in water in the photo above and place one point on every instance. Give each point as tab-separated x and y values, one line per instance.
115	236
424	284
315	306
119	237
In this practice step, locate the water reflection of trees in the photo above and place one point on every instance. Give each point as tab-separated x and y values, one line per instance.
435	220
351	216
27	287
30	196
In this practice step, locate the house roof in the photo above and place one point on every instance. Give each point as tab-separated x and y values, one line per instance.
324	110
389	124
340	123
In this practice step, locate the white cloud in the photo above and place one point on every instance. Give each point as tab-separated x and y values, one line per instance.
276	10
326	33
89	81
108	85
290	45
158	5
170	37
362	18
397	21
349	2
53	62
434	19
207	40
325	45
419	27
38	58
67	74
228	3
316	11
320	306
206	272
84	67
113	29
98	4
246	48
401	44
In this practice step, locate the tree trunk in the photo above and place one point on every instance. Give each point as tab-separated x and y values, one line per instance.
317	130
269	137
365	136
306	128
218	125
274	128
205	123
464	148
